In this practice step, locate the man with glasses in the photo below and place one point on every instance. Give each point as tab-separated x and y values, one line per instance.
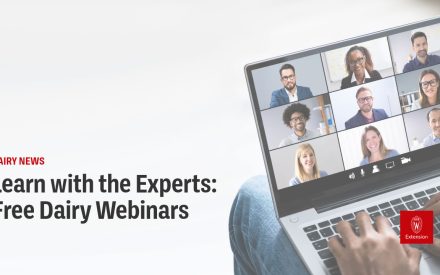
433	117
295	117
366	114
291	92
422	59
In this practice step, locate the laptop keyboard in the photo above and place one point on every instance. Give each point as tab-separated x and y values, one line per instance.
319	233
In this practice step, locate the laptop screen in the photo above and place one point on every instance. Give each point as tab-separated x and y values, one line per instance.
345	112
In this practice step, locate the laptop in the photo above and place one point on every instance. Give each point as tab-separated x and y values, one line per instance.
348	127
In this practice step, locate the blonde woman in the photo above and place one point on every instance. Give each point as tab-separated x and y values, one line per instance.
306	167
373	147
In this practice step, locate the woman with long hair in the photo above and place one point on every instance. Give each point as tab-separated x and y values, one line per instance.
306	166
429	88
359	66
373	146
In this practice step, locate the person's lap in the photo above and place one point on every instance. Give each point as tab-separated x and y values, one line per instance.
258	242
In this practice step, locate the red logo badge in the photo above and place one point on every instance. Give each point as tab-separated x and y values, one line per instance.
416	224
416	227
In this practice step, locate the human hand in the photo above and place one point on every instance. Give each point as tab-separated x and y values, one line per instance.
374	251
434	205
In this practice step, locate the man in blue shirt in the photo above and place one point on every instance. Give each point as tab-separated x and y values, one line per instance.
433	117
366	114
290	92
422	59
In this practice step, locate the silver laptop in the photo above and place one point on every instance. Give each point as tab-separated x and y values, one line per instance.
347	127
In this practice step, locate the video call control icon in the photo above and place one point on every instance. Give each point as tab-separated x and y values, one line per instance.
405	160
375	169
352	176
390	165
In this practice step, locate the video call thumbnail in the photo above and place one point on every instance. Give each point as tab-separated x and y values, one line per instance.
304	75
418	89
307	161
423	127
379	97
299	121
373	142
361	63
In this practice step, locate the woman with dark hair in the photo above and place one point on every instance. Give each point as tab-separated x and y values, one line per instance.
373	147
359	66
429	88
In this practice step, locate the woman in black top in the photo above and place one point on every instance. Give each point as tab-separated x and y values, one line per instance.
359	66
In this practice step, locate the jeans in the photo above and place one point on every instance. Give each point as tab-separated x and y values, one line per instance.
258	242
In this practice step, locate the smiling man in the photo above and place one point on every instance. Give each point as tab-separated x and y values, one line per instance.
434	123
366	114
295	117
291	92
420	48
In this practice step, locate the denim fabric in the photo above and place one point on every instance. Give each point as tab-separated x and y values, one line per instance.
258	242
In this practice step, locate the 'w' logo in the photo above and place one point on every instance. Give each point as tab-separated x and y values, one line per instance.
416	224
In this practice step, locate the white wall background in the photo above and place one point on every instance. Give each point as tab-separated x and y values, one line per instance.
335	61
392	131
385	97
148	87
401	47
328	158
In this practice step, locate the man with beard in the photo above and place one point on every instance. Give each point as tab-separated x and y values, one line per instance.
291	92
434	123
295	117
422	59
366	114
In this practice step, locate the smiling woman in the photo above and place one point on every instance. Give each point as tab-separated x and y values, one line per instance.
373	146
359	66
429	90
306	166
